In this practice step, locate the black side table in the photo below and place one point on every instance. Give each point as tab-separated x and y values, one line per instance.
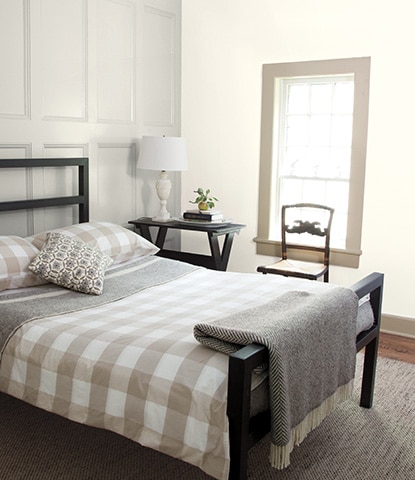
218	260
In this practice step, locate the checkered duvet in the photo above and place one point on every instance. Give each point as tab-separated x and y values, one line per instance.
133	366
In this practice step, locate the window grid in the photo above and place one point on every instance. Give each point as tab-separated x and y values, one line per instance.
315	118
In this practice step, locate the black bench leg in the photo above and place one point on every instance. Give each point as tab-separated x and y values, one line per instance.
369	372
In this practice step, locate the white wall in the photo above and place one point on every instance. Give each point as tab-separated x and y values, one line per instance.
88	78
225	43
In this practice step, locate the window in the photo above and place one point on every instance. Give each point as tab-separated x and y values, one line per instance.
313	148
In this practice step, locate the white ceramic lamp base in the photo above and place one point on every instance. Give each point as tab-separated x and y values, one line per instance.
163	187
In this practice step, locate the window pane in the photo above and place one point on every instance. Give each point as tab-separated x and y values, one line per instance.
291	190
319	157
291	164
297	130
314	191
339	165
341	131
338	198
320	130
343	97
321	97
337	195
339	230
297	99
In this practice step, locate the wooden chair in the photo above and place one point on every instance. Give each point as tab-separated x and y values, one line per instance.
313	223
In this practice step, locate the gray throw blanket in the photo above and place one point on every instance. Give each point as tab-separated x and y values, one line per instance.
312	352
20	306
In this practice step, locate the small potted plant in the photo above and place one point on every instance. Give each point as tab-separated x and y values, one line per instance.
203	200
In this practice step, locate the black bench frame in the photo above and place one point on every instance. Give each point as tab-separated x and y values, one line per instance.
246	431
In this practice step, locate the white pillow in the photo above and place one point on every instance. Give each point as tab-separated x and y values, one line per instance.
16	254
72	264
117	242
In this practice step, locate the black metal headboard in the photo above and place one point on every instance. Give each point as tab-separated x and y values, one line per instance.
82	199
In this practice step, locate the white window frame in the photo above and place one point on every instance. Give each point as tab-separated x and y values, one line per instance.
268	207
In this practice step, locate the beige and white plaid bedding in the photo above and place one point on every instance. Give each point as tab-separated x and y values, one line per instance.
134	367
16	254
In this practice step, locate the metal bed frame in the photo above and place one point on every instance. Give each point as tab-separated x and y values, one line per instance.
82	199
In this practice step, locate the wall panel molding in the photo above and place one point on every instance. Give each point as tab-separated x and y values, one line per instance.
116	53
10	185
66	149
116	175
15	95
15	150
64	60
78	74
160	67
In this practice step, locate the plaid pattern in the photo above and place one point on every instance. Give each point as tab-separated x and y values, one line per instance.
117	242
16	254
134	367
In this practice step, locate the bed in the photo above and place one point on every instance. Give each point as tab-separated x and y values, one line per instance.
132	340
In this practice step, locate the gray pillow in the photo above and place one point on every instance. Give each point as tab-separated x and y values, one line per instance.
71	263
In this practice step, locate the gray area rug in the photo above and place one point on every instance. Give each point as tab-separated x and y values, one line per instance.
351	444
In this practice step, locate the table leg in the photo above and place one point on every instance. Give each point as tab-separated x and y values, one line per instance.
220	259
161	237
144	232
161	234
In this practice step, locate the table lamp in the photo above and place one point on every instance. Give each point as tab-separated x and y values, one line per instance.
164	154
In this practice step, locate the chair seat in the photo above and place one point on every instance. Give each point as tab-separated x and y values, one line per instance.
295	268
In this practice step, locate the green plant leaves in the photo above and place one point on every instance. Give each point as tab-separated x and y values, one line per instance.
203	196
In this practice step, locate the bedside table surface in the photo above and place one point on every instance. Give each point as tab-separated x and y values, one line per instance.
205	227
218	260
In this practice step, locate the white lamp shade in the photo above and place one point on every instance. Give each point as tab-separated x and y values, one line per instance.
163	153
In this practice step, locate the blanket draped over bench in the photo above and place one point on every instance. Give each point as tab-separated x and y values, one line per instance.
311	340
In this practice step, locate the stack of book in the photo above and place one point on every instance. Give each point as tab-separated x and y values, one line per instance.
208	216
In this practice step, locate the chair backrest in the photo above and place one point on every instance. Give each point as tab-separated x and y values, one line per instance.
310	220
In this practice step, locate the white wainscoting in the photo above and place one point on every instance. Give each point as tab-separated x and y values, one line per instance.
14	60
87	78
115	62
64	60
116	181
160	67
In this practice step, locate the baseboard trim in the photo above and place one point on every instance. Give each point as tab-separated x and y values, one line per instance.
398	325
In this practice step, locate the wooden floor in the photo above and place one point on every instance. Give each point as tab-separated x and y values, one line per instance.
397	348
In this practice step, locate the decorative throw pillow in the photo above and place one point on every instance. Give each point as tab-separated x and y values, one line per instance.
72	264
16	253
117	242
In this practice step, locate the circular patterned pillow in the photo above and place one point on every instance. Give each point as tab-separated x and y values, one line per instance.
72	264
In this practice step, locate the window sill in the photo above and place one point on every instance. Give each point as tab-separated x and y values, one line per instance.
342	257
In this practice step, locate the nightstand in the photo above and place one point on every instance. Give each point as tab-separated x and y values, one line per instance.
218	260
